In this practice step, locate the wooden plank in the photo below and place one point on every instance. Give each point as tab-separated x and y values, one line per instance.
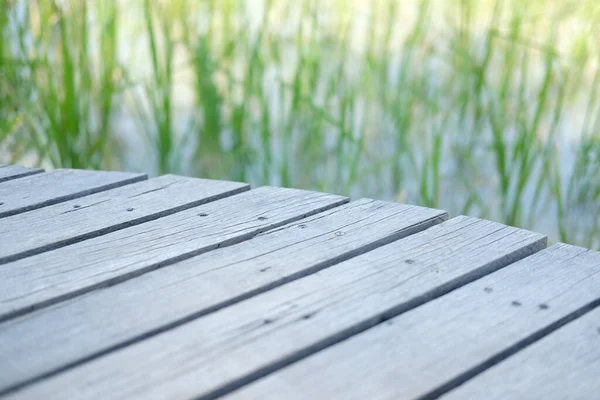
65	223
9	172
109	318
223	350
428	351
563	365
54	276
41	190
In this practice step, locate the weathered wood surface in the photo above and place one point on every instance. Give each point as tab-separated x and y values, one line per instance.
565	365
112	317
71	221
186	288
41	190
431	349
9	172
226	349
53	276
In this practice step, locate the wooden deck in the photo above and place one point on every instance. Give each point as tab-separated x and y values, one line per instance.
115	286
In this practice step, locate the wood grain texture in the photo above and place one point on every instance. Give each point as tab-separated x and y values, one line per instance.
41	190
106	319
223	350
50	277
565	365
427	351
10	172
72	221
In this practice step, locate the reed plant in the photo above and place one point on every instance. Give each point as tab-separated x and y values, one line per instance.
489	108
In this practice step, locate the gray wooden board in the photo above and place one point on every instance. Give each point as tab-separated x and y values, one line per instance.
53	276
218	352
9	172
565	365
41	190
61	224
45	341
422	353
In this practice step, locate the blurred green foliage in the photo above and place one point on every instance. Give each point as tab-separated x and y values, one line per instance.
486	108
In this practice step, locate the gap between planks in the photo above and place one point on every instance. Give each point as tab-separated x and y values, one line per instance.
45	189
73	221
112	318
45	279
416	356
10	172
563	365
279	327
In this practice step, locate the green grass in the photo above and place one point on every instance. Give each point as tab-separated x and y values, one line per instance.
486	108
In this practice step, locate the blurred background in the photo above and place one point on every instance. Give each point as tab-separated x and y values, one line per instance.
485	108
